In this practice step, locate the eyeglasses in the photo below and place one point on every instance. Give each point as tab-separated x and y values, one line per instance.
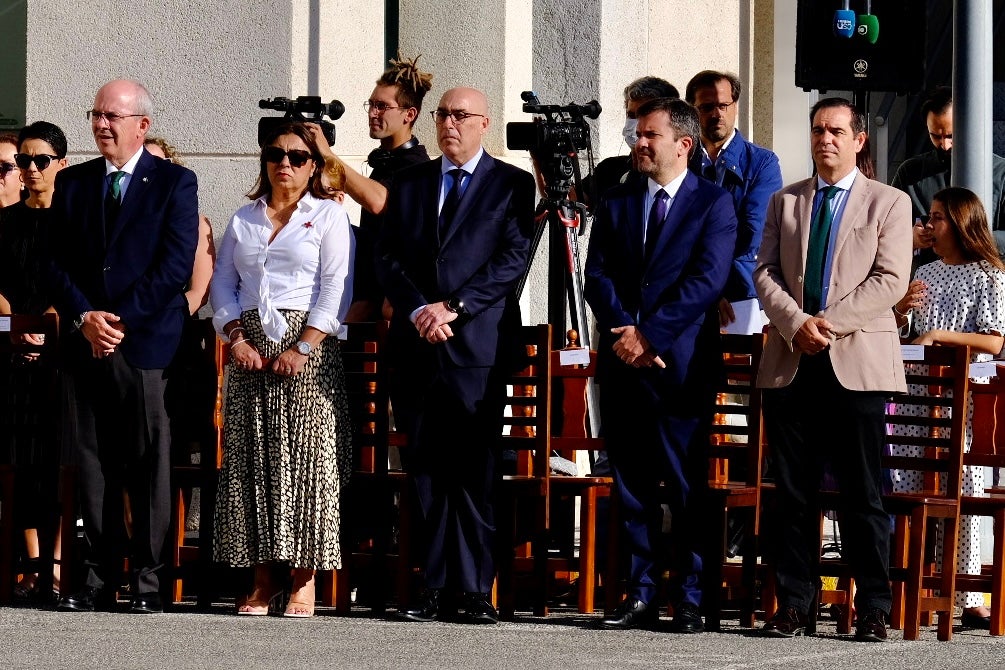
298	157
41	161
94	116
6	168
378	106
709	107
440	116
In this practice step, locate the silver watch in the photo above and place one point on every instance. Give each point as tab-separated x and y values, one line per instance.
78	323
304	348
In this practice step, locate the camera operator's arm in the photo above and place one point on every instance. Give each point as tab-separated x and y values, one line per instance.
370	194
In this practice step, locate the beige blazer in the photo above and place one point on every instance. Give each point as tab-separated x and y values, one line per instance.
870	272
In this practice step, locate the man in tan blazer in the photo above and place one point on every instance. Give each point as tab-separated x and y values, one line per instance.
836	257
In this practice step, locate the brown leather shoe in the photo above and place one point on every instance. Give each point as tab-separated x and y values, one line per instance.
787	622
871	627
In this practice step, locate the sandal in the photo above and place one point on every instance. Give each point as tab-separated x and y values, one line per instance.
301	605
255	604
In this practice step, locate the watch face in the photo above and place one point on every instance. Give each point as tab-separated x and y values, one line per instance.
304	348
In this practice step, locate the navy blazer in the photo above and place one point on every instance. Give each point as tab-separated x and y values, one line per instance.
667	298
140	271
479	259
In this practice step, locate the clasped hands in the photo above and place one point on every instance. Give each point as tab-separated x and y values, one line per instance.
634	349
104	331
814	335
432	322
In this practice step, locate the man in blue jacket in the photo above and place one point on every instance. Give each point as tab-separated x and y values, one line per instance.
750	173
659	255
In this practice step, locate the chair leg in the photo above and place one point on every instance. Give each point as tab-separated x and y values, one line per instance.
68	528
178	540
715	551
900	550
587	550
998	576
948	581
915	564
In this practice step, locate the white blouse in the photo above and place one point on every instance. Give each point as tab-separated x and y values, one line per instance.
307	267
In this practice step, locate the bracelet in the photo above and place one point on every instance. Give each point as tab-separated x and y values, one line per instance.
243	340
233	330
898	312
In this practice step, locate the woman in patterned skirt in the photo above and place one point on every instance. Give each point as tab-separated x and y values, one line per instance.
959	299
280	292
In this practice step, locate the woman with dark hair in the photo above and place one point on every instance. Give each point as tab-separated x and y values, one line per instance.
280	294
10	178
958	299
27	415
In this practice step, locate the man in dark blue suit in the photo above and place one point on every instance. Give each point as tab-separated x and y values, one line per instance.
127	231
455	242
660	252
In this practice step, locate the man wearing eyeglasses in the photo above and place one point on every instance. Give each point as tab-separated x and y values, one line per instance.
391	110
923	176
750	173
128	227
455	243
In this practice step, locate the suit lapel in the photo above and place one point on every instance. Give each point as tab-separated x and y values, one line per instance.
143	176
804	218
854	208
472	193
678	209
634	203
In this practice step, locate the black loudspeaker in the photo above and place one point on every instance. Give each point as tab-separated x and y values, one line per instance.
859	45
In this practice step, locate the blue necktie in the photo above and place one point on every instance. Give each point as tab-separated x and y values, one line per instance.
816	252
452	200
657	215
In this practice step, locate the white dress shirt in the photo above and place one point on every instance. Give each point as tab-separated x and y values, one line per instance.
307	267
129	168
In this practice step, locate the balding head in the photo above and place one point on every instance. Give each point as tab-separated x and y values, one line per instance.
460	141
130	105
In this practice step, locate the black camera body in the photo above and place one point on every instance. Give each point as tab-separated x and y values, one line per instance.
554	139
297	110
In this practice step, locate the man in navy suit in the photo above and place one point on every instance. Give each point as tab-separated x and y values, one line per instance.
660	252
127	230
455	242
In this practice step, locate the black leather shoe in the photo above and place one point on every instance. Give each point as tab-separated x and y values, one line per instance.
871	627
970	620
478	609
84	600
686	619
787	622
427	609
146	603
631	613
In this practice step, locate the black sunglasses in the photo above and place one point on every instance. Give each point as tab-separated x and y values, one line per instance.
297	157
6	168
41	161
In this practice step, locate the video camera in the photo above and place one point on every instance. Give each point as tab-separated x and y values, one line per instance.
554	139
296	110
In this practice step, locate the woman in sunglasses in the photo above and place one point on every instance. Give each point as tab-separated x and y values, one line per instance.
280	293
26	412
10	178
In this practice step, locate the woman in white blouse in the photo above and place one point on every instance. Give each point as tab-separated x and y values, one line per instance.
280	292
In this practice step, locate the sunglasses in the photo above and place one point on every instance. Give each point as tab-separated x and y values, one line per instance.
6	168
41	161
298	158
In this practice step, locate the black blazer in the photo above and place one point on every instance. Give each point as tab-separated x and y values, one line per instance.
139	272
479	259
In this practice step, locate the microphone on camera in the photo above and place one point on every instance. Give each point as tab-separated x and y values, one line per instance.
844	20
868	24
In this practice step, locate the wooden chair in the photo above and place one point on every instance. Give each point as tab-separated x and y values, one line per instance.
736	454
193	560
367	555
523	538
988	450
570	437
11	344
912	575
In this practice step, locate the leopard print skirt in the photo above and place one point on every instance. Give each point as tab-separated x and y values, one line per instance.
287	458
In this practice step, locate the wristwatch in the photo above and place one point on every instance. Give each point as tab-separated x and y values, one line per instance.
78	323
456	305
303	348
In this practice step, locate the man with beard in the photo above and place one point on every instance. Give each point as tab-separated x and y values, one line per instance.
923	176
650	280
391	111
750	173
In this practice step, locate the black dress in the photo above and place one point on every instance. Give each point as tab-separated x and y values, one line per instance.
28	399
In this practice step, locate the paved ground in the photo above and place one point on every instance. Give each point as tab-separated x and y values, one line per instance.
44	639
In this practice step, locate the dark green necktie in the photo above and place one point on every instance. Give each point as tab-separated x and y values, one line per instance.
113	200
816	251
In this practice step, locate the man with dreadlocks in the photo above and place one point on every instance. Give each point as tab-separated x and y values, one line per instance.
392	110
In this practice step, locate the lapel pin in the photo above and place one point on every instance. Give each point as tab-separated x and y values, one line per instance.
145	180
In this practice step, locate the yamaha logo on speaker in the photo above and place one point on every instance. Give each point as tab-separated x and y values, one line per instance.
861	66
